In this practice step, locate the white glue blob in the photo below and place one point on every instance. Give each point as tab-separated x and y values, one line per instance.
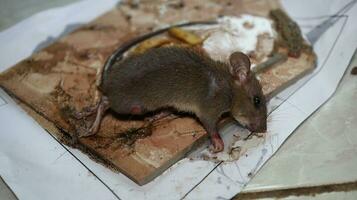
237	34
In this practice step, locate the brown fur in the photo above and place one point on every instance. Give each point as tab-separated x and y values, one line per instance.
188	81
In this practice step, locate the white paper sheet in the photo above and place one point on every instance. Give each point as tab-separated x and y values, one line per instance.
49	170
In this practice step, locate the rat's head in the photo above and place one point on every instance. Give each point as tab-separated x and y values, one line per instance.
249	105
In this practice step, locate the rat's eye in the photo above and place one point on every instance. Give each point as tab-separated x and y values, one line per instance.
256	101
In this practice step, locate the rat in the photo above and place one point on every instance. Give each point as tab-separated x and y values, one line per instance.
186	80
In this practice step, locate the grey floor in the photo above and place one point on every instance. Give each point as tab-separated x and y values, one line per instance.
5	192
13	11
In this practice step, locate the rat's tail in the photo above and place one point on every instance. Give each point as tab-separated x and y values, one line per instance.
117	55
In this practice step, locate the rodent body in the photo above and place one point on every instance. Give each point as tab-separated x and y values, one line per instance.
183	79
169	77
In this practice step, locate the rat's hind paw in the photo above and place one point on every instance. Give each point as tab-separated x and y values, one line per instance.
99	110
87	111
84	131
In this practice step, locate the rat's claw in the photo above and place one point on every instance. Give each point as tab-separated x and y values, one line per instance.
94	127
86	112
85	133
217	143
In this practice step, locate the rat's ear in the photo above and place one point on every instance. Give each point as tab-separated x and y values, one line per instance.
239	66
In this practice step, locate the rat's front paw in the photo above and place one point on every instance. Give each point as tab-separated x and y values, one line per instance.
217	143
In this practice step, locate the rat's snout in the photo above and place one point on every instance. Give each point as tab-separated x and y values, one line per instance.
259	126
